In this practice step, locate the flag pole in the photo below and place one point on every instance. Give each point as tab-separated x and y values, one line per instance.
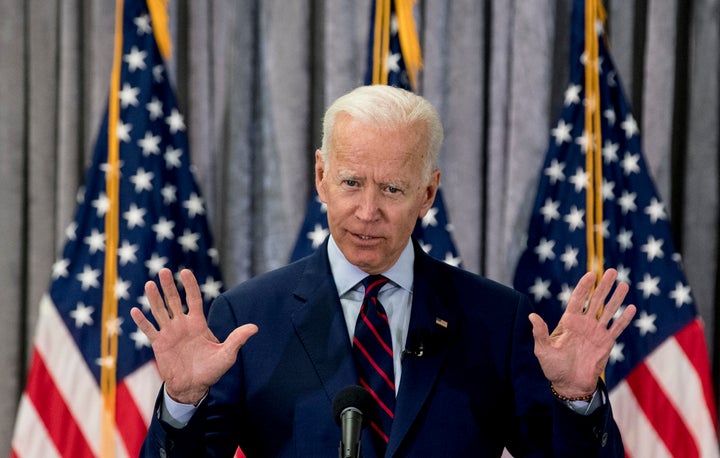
593	159
109	329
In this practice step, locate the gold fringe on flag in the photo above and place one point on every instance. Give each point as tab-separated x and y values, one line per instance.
409	41
381	41
407	33
161	29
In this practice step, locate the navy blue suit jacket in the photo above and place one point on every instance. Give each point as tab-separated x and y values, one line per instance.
476	389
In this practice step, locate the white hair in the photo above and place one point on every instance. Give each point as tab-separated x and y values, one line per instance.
387	106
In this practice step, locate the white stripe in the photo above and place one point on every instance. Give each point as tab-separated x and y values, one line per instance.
681	383
120	449
639	436
144	385
72	376
30	438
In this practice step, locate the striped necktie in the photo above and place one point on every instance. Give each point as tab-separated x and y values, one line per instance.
372	349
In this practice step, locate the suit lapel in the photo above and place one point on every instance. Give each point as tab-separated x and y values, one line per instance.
320	325
434	322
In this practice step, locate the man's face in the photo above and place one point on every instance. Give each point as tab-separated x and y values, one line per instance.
374	190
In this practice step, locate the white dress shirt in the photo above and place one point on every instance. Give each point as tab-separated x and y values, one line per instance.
395	296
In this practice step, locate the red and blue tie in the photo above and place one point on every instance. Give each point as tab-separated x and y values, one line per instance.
372	349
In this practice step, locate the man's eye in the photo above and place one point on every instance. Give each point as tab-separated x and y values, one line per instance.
351	183
393	190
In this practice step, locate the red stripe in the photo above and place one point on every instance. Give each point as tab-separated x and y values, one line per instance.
692	340
130	423
375	332
378	369
661	413
372	285
375	396
54	413
380	311
379	431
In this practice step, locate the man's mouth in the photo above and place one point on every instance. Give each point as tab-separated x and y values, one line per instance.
365	237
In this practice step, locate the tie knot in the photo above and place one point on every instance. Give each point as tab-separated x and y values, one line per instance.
372	284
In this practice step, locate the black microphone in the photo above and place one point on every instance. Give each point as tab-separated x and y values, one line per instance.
416	344
351	410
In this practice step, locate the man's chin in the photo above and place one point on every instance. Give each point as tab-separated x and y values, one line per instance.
361	260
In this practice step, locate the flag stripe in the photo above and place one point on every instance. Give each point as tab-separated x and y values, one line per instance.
130	423
143	386
662	413
691	339
55	415
71	377
679	379
639	436
31	439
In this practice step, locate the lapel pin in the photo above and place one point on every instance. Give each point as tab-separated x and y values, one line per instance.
441	322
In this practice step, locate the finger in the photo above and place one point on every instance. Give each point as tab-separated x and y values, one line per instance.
173	302
193	296
597	299
238	337
614	303
579	296
622	321
540	331
157	305
143	323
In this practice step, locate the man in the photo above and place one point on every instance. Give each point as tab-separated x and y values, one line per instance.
474	370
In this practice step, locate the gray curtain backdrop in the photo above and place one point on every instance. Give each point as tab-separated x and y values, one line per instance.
253	78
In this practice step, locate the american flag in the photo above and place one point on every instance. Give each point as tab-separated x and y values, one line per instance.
161	223
658	373
434	231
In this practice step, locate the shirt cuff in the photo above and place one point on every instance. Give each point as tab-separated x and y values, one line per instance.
587	408
176	414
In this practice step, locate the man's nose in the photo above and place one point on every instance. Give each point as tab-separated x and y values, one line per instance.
368	206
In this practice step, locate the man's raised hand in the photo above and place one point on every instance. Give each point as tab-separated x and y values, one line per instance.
189	357
575	354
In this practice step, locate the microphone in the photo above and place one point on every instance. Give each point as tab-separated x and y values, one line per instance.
416	344
351	409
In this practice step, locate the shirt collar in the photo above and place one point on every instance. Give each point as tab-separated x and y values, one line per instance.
347	276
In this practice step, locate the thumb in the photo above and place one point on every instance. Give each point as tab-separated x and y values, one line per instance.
238	337
539	329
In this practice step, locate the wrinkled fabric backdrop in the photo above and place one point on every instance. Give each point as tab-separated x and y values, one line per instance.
253	78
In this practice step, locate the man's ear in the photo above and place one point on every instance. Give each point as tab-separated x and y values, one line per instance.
430	192
319	174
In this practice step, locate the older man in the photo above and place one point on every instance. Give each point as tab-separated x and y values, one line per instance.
464	366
